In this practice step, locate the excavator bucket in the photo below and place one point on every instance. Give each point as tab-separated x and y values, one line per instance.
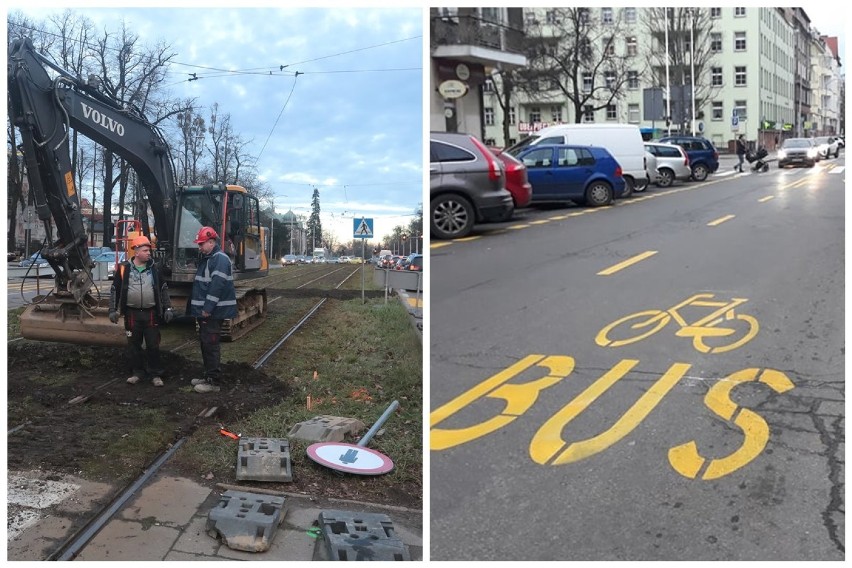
48	319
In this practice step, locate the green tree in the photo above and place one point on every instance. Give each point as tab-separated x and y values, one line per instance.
314	224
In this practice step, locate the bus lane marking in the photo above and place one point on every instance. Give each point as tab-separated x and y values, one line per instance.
629	262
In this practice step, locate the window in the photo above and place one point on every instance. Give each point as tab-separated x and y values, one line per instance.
716	76
633	113
512	117
716	42
630	15
740	76
588	114
556	113
739	12
718	110
490	142
741	109
609	78
530	19
489	116
446	153
584	15
535	114
608	46
491	15
715	12
587	82
551	17
611	113
488	86
633	79
567	157
739	41
539	158
606	15
632	46
449	14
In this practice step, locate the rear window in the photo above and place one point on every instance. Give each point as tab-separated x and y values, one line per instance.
447	153
667	152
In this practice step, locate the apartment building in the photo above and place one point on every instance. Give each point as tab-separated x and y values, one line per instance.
755	77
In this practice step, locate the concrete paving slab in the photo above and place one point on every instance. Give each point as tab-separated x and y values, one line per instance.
168	500
195	540
186	557
86	497
36	542
129	540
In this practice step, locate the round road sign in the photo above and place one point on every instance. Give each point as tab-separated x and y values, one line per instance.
350	458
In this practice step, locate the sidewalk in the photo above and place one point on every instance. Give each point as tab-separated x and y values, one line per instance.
167	521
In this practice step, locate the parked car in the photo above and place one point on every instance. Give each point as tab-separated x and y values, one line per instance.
108	257
289	259
703	156
588	175
35	260
302	259
623	141
466	185
650	167
841	141
516	180
672	163
827	145
415	263
798	151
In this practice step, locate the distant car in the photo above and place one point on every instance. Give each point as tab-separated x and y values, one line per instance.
588	175
344	260
672	163
841	141
827	145
703	156
466	185
35	260
289	259
108	258
415	263
798	151
516	180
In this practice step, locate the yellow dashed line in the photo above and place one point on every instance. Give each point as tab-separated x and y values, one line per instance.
516	227
577	214
626	263
438	245
466	239
540	222
559	218
764	199
720	220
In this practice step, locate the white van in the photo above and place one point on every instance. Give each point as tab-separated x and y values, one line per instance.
624	142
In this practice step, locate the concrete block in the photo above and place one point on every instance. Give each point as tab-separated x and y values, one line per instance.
264	459
326	429
246	521
361	536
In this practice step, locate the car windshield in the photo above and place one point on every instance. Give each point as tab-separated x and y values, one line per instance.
822	140
797	143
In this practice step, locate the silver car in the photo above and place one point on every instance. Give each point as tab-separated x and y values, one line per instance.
672	163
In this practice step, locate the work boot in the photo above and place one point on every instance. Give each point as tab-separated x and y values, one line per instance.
205	387
133	380
194	382
157	381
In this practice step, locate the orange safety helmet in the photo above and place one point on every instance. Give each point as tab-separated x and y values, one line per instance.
205	234
140	241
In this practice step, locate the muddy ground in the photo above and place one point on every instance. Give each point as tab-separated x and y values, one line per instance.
77	438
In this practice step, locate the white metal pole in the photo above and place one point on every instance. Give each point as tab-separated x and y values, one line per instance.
668	84
692	61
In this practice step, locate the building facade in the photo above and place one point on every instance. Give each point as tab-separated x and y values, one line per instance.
767	75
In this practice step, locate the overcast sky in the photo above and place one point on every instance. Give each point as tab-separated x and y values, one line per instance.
350	124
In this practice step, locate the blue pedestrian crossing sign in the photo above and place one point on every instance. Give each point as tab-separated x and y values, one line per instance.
363	228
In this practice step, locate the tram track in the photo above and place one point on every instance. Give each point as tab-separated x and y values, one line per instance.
77	541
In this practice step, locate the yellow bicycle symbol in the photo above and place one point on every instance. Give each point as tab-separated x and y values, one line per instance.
649	322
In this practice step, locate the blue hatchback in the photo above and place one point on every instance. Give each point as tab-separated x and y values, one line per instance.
588	175
703	156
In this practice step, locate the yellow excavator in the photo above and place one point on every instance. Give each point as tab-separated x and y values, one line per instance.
44	108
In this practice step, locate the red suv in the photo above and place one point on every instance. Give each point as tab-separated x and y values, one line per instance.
516	179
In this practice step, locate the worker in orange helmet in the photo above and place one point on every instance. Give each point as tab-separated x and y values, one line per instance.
141	296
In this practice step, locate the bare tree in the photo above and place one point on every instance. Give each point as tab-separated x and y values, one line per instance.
684	24
574	55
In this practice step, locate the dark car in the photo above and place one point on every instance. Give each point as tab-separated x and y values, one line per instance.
517	181
798	151
466	185
588	175
415	263
703	156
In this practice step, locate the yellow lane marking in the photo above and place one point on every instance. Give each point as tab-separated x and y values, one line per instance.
577	214
415	302
559	218
518	227
466	239
540	222
720	220
626	263
767	198
439	245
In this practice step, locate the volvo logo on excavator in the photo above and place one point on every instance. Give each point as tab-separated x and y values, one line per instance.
102	119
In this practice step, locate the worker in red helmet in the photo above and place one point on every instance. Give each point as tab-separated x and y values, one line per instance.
141	296
213	300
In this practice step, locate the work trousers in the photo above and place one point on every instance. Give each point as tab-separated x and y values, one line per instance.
142	326
209	331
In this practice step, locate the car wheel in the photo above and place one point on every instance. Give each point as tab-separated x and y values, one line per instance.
699	172
629	184
812	164
599	193
837	153
642	184
452	216
665	177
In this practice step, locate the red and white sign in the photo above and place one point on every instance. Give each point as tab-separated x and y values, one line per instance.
350	458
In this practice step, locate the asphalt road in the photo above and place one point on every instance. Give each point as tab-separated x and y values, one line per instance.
712	429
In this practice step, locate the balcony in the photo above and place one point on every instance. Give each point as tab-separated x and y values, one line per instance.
463	35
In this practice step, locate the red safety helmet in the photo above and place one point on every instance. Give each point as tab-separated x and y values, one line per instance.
140	241
205	234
